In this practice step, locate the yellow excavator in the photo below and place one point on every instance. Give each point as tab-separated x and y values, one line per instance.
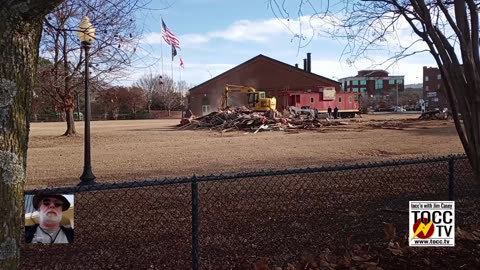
256	100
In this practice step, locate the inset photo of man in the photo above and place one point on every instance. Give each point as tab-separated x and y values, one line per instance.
49	219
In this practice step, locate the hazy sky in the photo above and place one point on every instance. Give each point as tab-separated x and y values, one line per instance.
217	35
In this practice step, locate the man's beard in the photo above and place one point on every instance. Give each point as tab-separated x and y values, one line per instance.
50	219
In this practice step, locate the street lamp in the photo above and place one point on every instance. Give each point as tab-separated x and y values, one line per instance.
86	34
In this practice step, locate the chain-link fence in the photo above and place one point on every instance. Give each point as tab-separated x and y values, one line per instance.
228	221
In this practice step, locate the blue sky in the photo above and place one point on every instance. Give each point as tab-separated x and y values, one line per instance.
217	35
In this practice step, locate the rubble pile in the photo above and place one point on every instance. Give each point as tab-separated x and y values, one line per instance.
243	119
434	115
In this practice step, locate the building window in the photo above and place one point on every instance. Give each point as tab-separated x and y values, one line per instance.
392	90
426	78
391	82
439	76
399	81
378	84
363	82
339	99
355	82
312	100
363	90
438	86
426	87
355	90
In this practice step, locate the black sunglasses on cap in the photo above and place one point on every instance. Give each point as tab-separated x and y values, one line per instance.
48	201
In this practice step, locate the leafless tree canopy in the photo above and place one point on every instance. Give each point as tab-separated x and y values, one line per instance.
151	84
163	92
448	30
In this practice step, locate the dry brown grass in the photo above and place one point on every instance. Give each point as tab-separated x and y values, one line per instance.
153	149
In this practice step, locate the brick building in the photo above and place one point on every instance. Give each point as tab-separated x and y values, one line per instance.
377	83
275	78
433	89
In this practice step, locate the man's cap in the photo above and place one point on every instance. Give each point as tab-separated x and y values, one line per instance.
37	199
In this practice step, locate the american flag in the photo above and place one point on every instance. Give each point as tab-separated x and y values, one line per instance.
169	36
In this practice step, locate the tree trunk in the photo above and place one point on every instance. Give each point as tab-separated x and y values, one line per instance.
69	98
70	122
21	29
19	55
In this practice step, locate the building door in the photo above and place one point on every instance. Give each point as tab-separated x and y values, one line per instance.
205	109
205	105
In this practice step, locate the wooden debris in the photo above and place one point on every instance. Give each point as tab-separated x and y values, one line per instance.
434	115
243	119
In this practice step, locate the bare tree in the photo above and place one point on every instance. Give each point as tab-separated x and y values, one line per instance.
42	102
135	99
109	101
151	84
21	29
169	97
448	30
117	38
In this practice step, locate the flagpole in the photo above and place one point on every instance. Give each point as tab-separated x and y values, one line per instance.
161	48
171	65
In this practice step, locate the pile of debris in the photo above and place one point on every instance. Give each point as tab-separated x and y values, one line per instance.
435	115
243	119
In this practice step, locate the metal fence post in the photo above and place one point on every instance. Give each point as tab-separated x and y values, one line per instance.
451	178
195	226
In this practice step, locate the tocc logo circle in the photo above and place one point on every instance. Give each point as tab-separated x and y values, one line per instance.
423	230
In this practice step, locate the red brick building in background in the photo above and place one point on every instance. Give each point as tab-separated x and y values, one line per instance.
275	78
433	89
376	83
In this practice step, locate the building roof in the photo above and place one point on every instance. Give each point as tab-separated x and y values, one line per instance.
372	70
262	57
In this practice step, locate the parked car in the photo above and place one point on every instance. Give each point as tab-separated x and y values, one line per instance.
398	109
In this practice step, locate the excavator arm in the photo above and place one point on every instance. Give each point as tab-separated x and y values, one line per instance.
256	100
230	88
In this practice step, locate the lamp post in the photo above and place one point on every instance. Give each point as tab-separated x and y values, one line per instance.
86	33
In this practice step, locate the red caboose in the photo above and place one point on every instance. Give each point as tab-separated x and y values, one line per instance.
323	98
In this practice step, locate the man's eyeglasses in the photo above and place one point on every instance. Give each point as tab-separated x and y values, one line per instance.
56	202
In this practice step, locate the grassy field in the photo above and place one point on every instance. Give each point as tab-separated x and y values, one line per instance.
152	149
